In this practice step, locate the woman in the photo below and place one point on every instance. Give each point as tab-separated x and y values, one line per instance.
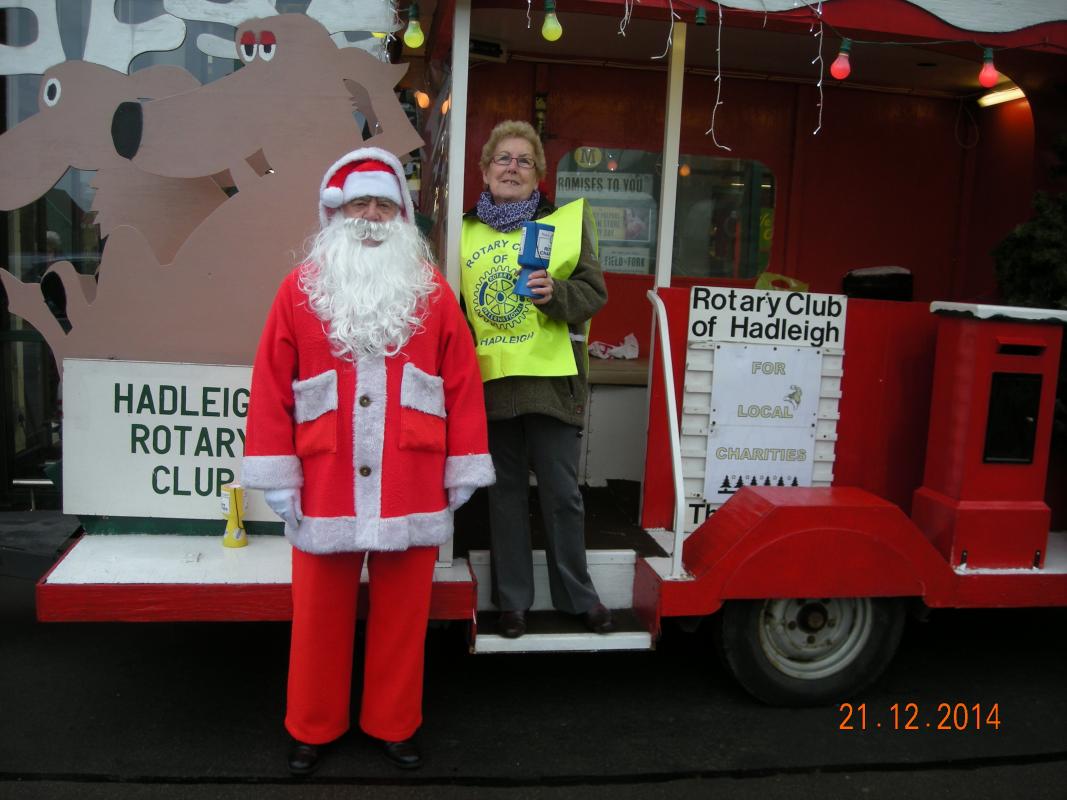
532	356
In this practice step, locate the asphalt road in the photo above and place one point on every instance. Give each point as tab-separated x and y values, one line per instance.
195	711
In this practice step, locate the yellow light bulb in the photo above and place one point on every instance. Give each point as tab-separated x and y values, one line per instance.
413	36
446	105
684	170
422	99
551	30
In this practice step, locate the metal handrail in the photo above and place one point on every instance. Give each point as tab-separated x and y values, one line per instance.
660	313
32	484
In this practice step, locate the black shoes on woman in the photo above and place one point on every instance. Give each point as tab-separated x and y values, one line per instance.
512	624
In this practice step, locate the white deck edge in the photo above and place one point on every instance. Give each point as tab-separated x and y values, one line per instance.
1055	561
1001	312
562	642
169	559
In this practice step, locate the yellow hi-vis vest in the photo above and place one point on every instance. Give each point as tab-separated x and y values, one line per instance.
511	336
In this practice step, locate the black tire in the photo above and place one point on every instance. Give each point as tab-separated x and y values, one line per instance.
808	652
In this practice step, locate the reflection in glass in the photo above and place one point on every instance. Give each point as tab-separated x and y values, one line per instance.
724	218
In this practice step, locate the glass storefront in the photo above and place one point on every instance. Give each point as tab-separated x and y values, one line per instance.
724	218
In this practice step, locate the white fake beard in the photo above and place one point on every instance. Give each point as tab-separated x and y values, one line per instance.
370	297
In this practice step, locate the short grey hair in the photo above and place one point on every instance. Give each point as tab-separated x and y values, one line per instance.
509	129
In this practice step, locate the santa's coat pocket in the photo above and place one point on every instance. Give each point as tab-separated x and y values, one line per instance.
422	410
315	413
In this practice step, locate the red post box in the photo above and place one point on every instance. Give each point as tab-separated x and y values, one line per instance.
981	503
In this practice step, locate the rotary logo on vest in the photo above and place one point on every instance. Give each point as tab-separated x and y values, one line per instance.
495	301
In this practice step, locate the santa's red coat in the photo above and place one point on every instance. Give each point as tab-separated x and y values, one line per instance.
381	447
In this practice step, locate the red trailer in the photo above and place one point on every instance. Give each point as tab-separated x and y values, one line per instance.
928	448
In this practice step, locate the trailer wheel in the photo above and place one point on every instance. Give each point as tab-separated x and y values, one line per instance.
804	651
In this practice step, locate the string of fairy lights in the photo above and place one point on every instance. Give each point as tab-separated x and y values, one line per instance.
840	68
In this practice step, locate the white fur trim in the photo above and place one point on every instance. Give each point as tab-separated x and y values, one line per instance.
377	154
271	472
314	396
321	535
368	439
332	197
371	184
474	470
421	391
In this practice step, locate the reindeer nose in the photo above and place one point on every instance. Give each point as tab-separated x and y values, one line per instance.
127	125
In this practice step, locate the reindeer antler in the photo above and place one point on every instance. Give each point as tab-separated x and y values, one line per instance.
233	13
371	15
115	44
43	52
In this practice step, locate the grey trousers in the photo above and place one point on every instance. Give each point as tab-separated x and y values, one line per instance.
552	448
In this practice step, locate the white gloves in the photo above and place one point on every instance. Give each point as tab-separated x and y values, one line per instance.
286	504
458	495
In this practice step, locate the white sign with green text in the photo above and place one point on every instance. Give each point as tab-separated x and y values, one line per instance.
764	405
762	386
147	439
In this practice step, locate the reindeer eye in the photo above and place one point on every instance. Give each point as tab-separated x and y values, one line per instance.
247	47
267	44
52	91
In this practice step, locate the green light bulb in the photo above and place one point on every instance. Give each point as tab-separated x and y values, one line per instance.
551	30
413	36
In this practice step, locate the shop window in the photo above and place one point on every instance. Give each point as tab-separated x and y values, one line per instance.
724	219
622	189
724	216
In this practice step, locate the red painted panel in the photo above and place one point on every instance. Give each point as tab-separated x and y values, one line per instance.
1003	194
1009	591
647	586
885	398
163	603
879	186
207	602
657	488
769	542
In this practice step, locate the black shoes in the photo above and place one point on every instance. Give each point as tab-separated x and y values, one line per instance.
403	754
598	619
512	624
303	758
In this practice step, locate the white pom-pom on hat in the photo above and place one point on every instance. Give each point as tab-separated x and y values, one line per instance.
333	197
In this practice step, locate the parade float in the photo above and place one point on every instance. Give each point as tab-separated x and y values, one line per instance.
812	462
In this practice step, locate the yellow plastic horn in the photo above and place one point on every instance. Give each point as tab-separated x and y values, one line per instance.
233	509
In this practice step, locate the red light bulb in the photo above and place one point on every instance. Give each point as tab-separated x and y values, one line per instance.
612	165
842	68
989	76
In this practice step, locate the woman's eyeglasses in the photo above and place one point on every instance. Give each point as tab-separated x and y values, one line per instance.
505	159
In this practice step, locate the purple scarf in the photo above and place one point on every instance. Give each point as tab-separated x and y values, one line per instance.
507	217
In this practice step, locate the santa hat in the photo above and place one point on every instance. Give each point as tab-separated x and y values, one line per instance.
367	172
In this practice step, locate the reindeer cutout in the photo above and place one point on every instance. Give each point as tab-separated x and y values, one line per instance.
272	127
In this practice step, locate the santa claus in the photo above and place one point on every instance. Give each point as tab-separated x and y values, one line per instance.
366	430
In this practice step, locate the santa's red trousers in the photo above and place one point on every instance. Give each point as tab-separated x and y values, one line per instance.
325	589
